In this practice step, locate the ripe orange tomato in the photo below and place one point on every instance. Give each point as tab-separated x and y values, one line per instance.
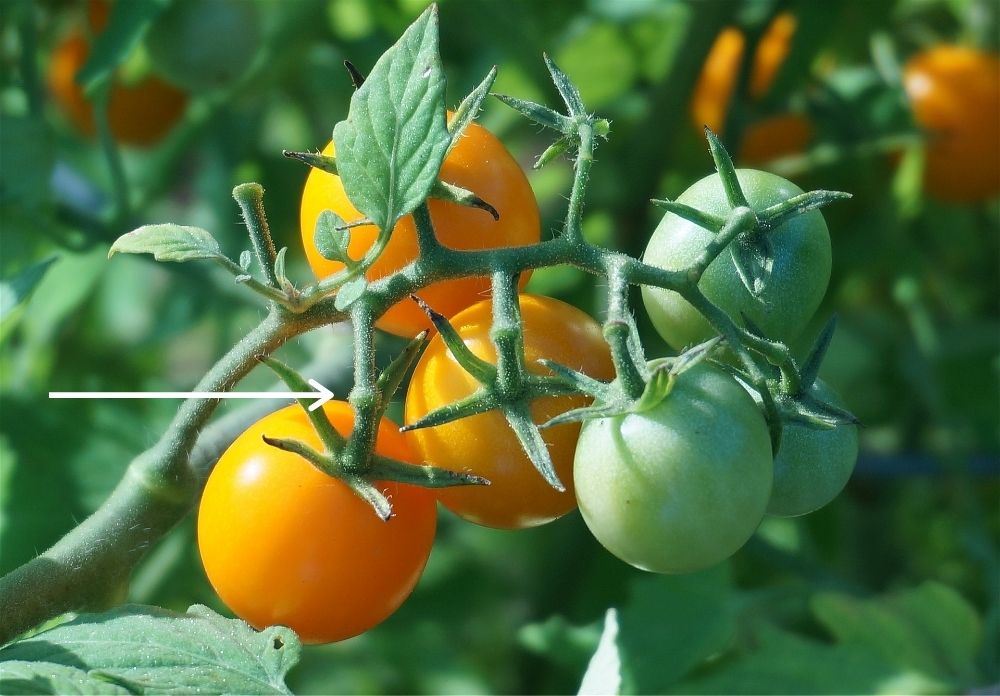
769	137
484	444
955	94
284	543
138	114
479	163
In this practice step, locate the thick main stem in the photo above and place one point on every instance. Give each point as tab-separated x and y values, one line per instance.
89	567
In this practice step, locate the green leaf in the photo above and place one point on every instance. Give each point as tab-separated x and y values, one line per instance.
390	148
279	267
349	292
20	677
558	640
671	624
604	672
127	23
785	663
14	292
168	242
160	651
332	237
930	629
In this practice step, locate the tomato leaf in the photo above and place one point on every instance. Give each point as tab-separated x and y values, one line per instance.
21	677
332	237
155	650
390	148
127	23
604	672
168	242
349	292
930	629
16	291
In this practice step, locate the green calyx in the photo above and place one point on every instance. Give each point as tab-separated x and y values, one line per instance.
506	386
356	468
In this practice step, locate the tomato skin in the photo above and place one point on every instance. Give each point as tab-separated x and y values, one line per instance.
955	94
812	465
766	138
801	271
479	163
683	485
517	496
283	543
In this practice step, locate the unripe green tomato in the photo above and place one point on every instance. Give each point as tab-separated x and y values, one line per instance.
798	280
201	45
813	464
683	485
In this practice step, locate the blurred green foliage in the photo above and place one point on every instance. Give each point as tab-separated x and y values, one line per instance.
895	587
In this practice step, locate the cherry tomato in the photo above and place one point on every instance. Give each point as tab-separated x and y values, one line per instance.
798	280
955	95
812	465
683	485
139	113
479	163
284	543
184	42
484	444
766	138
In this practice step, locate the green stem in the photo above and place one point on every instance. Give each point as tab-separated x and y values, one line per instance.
250	198
364	397
506	333
112	155
573	228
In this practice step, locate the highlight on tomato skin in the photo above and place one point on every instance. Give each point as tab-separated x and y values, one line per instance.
284	543
765	138
480	163
518	496
954	92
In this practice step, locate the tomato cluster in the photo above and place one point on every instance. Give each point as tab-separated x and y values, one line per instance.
671	484
140	112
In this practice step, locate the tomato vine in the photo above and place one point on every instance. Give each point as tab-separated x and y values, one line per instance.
85	569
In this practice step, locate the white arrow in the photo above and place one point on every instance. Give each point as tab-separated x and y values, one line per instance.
322	395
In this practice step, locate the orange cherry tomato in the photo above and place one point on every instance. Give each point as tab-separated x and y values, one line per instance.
138	114
769	137
284	543
955	95
484	444
479	163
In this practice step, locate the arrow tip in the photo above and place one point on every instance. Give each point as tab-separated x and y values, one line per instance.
322	393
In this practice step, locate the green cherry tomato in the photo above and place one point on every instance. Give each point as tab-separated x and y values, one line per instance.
200	45
813	464
683	485
798	279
